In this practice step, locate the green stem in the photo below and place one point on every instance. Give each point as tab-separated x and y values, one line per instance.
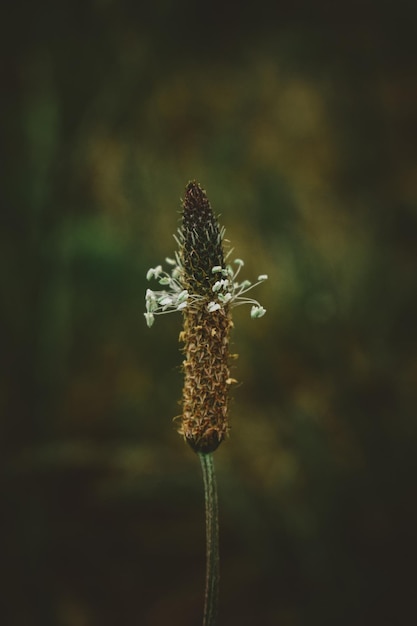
212	540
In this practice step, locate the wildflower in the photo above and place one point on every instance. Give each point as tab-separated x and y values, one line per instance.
204	287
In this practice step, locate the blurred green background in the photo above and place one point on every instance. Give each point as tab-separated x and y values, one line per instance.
299	120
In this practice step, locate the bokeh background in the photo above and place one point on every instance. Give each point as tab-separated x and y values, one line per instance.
300	121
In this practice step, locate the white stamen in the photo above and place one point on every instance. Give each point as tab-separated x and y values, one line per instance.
182	296
149	319
257	311
175	298
165	301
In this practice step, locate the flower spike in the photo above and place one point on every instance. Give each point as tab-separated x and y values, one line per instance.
204	288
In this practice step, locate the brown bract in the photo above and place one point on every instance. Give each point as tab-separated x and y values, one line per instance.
206	378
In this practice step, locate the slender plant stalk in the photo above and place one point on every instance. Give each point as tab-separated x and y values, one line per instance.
204	286
212	539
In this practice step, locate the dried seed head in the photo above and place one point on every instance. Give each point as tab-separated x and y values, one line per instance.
207	379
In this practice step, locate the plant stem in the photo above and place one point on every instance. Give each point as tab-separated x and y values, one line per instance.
212	539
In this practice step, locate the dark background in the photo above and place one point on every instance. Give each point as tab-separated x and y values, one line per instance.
300	121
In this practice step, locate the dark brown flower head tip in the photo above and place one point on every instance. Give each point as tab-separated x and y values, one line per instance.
201	240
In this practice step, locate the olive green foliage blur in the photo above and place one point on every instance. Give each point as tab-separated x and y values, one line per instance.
300	126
